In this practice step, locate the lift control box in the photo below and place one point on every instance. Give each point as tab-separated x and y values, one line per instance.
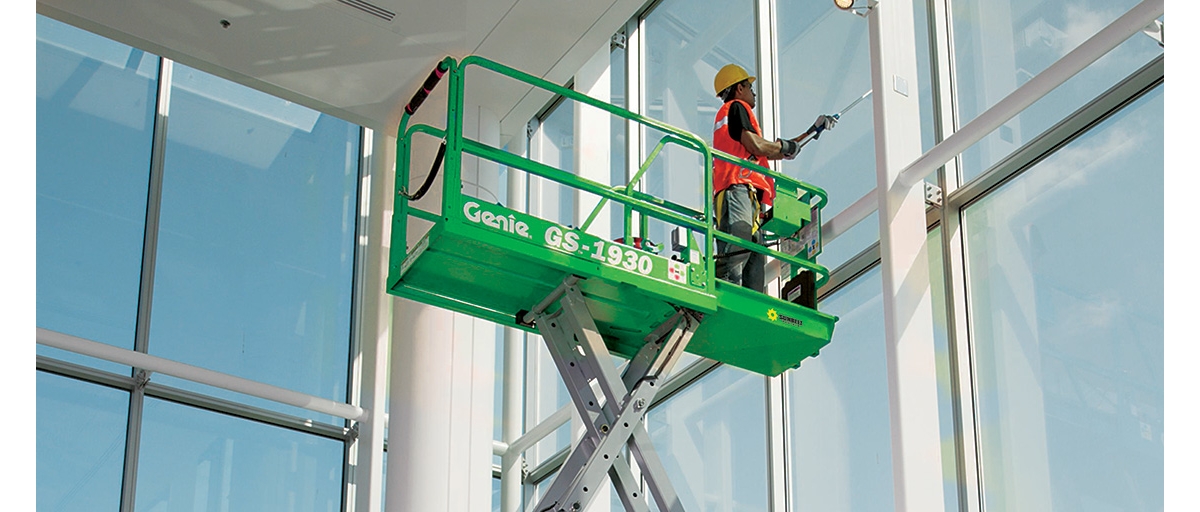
789	213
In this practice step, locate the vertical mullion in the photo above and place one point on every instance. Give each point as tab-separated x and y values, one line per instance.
355	355
764	15
133	429
635	87
968	473
767	61
777	433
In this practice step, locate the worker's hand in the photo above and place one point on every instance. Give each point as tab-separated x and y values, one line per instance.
789	148
822	123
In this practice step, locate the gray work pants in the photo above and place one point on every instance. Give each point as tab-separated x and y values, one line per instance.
737	216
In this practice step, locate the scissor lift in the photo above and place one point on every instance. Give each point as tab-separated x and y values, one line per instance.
591	297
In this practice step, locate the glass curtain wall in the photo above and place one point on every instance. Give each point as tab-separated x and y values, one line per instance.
1066	299
255	252
252	204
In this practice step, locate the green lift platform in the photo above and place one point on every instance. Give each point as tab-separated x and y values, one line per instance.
591	297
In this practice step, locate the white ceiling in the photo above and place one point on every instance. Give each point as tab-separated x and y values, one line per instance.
340	60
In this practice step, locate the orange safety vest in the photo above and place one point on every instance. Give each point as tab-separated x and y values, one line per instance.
726	174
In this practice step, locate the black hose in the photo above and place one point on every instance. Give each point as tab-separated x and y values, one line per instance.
437	164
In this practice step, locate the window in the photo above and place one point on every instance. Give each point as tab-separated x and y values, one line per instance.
253	275
95	124
198	460
711	437
80	444
256	247
556	148
1066	305
840	429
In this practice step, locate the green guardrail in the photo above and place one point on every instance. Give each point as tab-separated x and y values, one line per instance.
627	195
492	262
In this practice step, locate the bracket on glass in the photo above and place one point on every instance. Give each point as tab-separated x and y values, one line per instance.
1155	31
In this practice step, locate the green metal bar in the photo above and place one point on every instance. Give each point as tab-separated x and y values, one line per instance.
402	189
571	180
398	251
637	177
695	141
595	212
452	170
671	205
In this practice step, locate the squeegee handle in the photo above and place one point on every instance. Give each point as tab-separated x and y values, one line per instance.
816	130
430	82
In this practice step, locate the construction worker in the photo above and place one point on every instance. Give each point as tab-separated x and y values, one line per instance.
740	193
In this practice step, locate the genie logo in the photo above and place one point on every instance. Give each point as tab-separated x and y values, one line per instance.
508	224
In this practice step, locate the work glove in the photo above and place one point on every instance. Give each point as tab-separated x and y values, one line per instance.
822	123
789	148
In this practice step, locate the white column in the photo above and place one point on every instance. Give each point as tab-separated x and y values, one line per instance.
442	376
907	301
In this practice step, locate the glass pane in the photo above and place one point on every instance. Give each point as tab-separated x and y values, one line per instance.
825	82
999	46
551	395
256	245
712	438
945	391
495	495
842	249
840	429
685	45
95	121
80	445
1066	308
925	77
557	149
192	459
837	406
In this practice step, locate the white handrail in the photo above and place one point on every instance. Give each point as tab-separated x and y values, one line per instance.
196	374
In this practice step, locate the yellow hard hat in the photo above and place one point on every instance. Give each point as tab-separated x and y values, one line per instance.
729	75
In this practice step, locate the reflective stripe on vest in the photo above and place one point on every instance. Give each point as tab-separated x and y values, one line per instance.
726	174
